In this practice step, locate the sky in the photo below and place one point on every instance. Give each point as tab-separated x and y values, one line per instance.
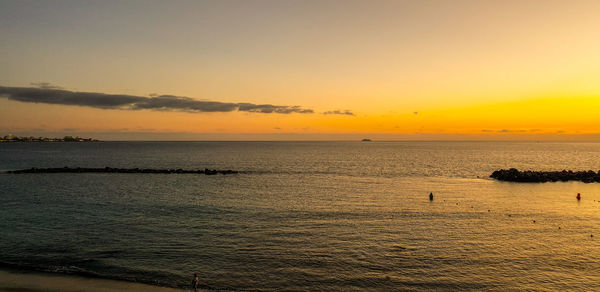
301	70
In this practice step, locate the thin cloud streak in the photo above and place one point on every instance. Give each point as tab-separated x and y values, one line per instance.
53	95
339	112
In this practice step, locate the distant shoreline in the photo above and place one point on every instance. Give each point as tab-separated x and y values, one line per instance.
17	139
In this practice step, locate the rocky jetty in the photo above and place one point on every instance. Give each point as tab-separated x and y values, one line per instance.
516	175
205	171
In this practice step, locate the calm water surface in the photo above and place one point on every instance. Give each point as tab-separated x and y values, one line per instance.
306	215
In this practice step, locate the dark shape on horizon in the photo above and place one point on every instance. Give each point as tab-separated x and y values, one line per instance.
65	169
366	140
515	175
12	138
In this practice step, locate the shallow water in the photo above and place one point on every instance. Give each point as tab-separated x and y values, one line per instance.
305	215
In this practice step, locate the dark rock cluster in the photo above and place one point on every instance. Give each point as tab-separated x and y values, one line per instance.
206	171
516	175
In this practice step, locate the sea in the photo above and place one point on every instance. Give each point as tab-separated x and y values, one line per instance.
305	216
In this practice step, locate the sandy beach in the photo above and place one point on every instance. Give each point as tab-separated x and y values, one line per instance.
30	282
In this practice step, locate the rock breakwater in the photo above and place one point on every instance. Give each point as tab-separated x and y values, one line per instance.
205	171
515	175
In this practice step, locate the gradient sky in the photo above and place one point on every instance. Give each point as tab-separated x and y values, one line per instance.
403	69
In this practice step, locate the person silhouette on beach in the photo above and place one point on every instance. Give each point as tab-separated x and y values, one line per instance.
195	283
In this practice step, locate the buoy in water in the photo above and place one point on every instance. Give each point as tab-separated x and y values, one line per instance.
578	196
431	196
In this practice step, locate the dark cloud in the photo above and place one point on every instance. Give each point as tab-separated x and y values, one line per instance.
46	93
339	112
65	97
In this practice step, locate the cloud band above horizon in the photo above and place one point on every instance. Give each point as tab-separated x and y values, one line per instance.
56	95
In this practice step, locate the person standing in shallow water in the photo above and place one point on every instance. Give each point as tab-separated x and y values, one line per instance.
195	283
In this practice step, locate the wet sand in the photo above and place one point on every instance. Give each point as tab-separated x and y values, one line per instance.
38	282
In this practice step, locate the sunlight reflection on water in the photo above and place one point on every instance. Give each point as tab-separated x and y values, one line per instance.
309	216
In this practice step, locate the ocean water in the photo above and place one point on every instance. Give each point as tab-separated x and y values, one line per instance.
305	215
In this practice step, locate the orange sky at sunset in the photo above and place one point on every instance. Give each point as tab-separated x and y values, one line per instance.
393	70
